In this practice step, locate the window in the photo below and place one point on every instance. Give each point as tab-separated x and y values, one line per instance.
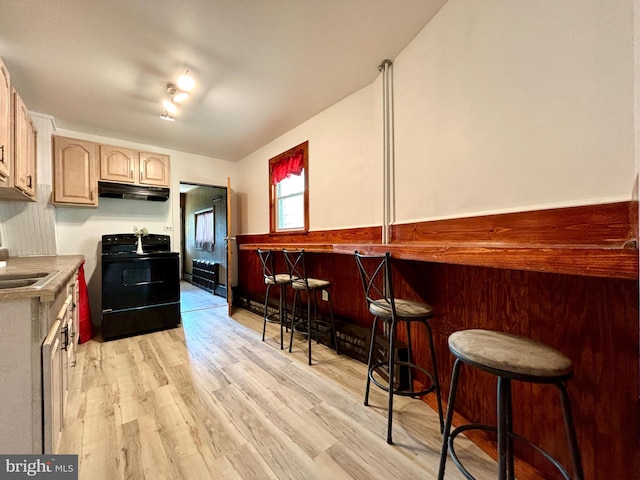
289	190
205	233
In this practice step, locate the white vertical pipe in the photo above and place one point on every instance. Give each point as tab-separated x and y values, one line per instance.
388	203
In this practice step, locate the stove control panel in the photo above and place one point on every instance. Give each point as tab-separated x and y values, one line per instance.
127	242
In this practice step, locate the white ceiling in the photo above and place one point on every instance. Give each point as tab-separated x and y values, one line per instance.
262	66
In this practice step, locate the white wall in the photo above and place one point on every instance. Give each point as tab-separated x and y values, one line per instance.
345	169
502	105
515	105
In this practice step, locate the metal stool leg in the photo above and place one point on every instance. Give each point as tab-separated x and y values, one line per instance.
309	321
509	425
293	316
370	361
333	324
392	378
409	356
447	424
504	385
435	375
266	304
571	432
283	313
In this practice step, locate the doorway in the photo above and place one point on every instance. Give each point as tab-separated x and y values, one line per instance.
203	212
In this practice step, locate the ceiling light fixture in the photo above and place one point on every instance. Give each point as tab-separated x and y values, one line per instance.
186	82
177	95
178	92
169	106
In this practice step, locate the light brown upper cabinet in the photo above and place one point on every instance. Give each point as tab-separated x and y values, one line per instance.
25	149
78	165
20	183
74	169
154	169
117	164
5	121
123	165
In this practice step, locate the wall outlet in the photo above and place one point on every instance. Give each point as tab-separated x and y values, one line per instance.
168	228
325	295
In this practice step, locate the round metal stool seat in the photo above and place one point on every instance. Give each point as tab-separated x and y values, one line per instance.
508	357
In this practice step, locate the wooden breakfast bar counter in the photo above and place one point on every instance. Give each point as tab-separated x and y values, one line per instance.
567	277
592	262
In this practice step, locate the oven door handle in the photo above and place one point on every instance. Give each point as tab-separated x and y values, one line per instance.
142	283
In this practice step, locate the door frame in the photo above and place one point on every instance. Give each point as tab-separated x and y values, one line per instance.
183	225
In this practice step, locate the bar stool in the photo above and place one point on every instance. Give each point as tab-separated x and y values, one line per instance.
375	273
300	282
509	357
280	280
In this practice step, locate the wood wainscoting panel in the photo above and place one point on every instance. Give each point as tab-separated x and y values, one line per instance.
592	320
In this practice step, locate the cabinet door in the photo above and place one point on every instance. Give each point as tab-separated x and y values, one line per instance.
75	313
27	183
25	151
117	164
5	121
52	387
68	348
154	169
74	169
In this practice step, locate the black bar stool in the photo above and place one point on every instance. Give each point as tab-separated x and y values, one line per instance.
375	272
509	357
280	280
300	282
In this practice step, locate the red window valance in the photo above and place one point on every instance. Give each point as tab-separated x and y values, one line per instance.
287	166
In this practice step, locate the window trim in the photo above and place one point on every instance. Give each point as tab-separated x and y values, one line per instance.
304	147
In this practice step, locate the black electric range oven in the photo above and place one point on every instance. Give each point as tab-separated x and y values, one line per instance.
140	291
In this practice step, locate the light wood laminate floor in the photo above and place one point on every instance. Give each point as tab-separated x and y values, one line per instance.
210	400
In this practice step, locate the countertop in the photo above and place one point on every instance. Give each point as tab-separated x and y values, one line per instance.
66	265
609	262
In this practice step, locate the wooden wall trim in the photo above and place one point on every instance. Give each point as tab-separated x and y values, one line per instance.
320	237
591	240
602	226
591	262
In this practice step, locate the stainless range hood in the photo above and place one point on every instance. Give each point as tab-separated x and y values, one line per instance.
134	192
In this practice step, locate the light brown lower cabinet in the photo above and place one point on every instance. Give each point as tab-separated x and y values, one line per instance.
52	387
37	356
58	358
